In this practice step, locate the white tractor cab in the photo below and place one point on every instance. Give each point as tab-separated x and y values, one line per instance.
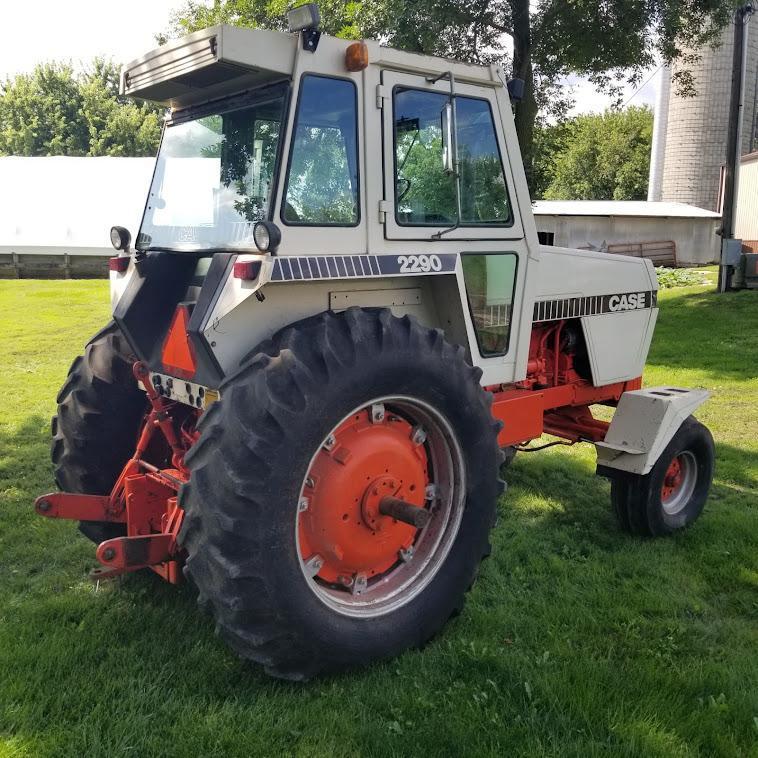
335	326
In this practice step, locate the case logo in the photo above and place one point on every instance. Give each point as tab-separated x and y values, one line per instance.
629	302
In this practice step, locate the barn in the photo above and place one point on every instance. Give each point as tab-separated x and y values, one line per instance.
668	233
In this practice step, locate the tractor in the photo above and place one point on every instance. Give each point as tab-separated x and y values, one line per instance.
333	330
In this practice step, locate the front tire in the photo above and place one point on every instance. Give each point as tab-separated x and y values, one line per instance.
672	495
281	527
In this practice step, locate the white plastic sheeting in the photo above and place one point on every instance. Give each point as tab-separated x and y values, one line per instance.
70	204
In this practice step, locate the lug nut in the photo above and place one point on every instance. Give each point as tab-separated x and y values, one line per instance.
405	555
377	413
418	436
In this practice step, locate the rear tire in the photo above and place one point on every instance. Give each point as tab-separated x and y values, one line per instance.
100	409
672	495
242	528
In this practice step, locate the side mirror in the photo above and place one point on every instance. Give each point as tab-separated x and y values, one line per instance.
448	157
516	89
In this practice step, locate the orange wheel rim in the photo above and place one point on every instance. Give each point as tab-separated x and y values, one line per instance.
346	482
355	556
679	482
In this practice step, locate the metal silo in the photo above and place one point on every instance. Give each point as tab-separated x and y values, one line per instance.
690	135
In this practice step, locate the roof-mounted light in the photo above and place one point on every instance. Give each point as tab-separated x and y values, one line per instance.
303	17
356	56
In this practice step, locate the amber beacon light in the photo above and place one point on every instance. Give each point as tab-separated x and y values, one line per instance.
356	56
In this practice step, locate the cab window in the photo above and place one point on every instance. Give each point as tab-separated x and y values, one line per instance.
322	176
424	191
490	284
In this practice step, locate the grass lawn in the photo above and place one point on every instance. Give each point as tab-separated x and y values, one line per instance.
576	640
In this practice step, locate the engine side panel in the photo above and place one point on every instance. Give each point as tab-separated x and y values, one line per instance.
616	299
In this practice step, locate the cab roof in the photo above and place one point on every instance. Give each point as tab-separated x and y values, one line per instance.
222	60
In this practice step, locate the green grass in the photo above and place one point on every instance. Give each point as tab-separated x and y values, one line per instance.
576	640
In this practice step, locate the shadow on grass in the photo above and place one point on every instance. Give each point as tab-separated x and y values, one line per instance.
571	479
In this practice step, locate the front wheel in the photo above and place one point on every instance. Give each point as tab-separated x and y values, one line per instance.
341	493
672	495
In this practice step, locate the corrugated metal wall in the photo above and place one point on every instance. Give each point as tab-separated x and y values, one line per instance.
747	199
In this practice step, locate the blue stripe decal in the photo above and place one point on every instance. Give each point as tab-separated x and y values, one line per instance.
300	268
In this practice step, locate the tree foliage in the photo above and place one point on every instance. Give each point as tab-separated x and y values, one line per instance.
56	110
611	42
596	157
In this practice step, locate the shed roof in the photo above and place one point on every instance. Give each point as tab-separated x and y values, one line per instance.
70	202
637	208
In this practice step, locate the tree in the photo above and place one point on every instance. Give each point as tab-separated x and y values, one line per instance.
610	42
598	157
57	111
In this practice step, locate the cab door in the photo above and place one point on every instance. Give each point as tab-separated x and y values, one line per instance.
466	205
419	188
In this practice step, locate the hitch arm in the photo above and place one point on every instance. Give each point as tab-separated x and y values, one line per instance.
124	554
78	507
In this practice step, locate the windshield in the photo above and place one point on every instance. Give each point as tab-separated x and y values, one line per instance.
214	176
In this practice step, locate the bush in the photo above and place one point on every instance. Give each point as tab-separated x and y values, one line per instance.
680	277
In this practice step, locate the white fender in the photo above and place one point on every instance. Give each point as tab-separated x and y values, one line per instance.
644	423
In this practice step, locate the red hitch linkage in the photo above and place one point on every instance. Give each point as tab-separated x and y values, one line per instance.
144	496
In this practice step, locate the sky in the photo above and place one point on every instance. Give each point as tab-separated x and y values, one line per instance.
590	100
79	30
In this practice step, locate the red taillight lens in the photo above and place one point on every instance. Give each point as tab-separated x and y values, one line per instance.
118	263
178	356
247	270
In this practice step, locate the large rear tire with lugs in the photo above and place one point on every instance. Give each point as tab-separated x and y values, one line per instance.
285	527
100	409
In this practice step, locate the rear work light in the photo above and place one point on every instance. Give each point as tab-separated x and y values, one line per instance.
118	263
247	270
178	355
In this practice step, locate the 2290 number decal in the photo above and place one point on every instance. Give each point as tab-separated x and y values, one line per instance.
419	264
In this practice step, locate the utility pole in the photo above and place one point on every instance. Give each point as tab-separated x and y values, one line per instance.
734	144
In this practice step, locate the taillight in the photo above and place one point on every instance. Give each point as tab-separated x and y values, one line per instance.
247	270
178	355
118	263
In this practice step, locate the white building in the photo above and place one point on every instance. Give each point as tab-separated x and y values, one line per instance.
56	213
746	226
625	225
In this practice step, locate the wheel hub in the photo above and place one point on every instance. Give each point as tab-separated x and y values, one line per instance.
368	457
679	482
382	487
672	479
